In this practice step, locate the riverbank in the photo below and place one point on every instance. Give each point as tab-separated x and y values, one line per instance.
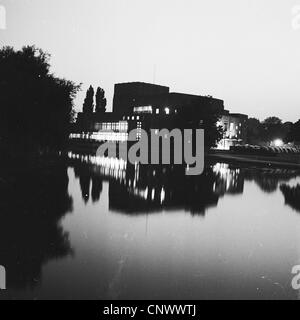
282	160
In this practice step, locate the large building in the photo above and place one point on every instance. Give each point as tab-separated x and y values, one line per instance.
128	96
138	105
140	97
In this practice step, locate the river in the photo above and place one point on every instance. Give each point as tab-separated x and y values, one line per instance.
91	229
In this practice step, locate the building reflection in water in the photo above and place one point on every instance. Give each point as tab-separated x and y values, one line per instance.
32	204
228	179
140	189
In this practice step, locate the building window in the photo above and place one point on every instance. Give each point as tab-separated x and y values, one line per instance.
143	109
157	111
167	110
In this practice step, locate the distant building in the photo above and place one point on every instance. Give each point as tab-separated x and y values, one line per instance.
235	130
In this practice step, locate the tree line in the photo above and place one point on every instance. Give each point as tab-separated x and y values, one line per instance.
270	129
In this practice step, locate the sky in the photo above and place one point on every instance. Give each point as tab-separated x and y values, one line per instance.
246	52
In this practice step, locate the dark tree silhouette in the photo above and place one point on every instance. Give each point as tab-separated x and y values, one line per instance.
272	121
209	116
294	133
254	131
36	108
100	101
272	128
88	104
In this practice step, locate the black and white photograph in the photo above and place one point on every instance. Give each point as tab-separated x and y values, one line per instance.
150	151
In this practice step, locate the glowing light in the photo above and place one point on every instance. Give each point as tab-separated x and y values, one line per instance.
278	143
142	109
162	195
167	110
152	194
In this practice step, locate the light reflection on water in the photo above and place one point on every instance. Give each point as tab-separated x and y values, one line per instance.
115	231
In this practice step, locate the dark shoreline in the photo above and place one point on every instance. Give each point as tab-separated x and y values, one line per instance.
272	161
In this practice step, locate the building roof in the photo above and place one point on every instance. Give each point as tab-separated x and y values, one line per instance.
140	83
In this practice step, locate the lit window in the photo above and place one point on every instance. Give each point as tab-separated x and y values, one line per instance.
157	111
167	110
143	109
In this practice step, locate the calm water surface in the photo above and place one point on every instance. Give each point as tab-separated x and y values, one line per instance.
91	230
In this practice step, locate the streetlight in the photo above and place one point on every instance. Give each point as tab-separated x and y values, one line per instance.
278	143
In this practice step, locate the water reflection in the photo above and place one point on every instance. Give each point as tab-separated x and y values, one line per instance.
32	203
140	189
291	195
149	232
161	234
268	179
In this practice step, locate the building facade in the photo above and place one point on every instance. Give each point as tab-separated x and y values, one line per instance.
234	130
139	97
138	105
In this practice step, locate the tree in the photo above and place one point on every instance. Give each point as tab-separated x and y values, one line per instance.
254	131
272	129
209	115
272	121
100	101
88	104
294	133
35	106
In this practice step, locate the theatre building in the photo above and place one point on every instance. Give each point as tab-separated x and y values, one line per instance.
138	105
